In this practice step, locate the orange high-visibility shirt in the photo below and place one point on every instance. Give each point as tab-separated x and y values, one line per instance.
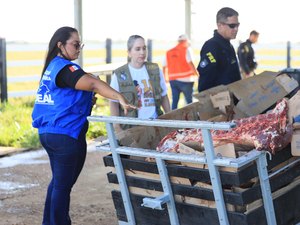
177	65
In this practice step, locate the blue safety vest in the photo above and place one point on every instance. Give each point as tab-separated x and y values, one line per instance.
60	110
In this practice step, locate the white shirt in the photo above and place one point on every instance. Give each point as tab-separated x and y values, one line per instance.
145	94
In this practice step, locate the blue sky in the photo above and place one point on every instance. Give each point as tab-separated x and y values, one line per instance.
36	20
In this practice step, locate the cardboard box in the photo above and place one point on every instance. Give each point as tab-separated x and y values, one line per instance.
207	107
294	107
244	98
295	143
256	94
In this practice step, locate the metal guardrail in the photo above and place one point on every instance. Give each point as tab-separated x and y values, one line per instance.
210	159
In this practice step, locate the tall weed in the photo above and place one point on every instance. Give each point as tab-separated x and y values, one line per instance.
15	123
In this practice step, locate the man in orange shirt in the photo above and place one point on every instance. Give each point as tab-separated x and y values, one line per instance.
180	70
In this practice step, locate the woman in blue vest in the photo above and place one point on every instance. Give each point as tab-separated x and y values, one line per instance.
63	101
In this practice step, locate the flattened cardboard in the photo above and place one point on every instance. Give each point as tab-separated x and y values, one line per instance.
294	106
206	107
295	143
189	112
221	99
254	95
286	83
258	93
142	136
227	150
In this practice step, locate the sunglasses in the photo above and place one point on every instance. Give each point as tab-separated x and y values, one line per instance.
78	46
232	25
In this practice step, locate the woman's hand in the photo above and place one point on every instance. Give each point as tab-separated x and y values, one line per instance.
125	104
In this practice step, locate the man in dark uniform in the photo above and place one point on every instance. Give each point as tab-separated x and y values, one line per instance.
246	55
218	62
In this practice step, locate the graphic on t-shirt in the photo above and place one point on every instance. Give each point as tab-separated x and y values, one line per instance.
148	94
139	93
43	95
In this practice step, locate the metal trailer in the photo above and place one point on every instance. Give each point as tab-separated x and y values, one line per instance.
210	159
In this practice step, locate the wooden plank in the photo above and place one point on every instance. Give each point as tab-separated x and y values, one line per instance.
178	189
275	194
188	214
206	203
236	178
191	214
236	195
186	172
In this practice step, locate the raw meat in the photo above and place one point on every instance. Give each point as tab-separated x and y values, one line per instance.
270	131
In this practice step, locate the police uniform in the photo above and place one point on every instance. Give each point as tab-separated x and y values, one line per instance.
246	57
218	64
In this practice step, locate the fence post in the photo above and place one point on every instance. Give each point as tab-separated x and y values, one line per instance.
108	59
3	75
288	60
149	47
108	44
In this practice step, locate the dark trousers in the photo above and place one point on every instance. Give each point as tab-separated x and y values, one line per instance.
67	156
177	87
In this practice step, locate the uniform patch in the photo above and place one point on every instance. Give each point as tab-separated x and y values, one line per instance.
247	49
233	61
123	76
73	68
211	57
203	63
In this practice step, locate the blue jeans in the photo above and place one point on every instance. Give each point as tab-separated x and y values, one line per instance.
177	87
67	156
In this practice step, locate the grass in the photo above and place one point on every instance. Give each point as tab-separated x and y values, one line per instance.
15	123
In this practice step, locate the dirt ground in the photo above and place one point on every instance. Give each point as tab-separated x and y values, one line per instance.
23	188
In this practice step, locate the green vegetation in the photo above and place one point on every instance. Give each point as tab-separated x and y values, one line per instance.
15	123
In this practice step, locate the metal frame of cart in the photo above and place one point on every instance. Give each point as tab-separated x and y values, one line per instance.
210	159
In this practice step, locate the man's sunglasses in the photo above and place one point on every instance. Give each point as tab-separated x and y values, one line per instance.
232	25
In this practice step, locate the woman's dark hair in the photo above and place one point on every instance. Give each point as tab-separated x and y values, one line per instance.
61	35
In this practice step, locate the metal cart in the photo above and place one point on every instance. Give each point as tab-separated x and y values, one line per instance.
210	159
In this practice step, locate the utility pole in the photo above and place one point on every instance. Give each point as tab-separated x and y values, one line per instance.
78	24
188	18
3	75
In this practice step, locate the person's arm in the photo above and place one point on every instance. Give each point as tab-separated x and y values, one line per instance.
88	82
194	68
115	111
190	59
165	70
165	103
